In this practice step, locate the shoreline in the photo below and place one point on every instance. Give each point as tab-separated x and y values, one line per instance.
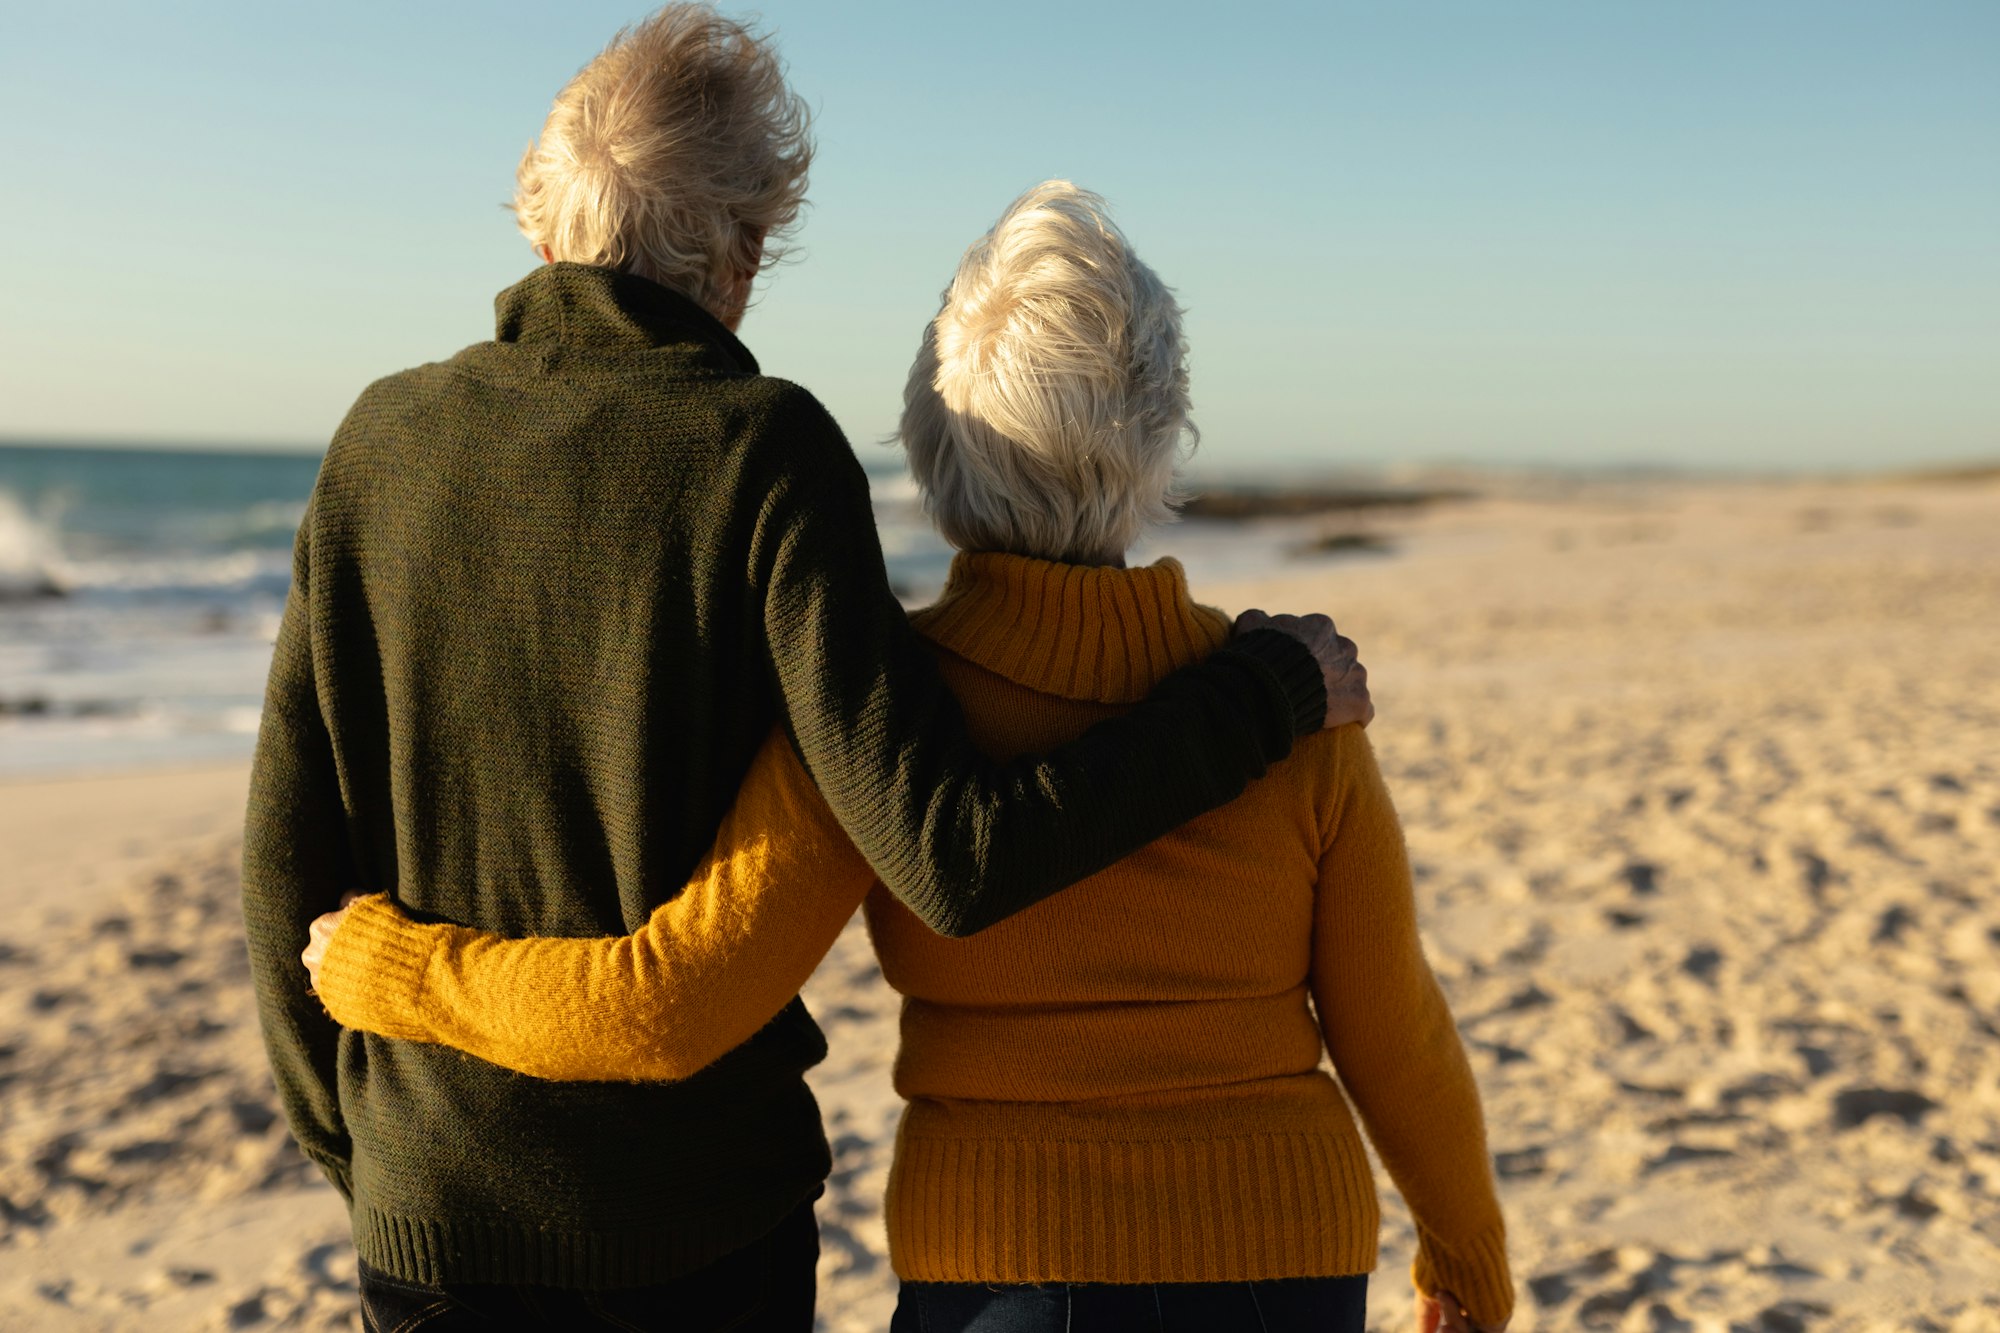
108	681
161	768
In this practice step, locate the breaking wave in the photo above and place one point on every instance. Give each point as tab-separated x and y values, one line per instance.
35	564
30	557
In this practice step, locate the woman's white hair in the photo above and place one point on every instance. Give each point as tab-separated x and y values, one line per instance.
1048	406
673	155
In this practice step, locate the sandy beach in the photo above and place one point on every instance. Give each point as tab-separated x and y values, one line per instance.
1702	784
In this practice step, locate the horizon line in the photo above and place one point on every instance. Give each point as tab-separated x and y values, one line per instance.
1973	466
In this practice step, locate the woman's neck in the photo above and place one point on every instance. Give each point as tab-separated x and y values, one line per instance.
1116	561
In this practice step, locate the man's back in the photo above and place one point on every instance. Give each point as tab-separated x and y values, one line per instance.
533	612
537	646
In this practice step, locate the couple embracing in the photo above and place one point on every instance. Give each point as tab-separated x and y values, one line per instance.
591	681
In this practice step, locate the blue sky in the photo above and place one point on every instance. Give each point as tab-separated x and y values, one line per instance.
1702	233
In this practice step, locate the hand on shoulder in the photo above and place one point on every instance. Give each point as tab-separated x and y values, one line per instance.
1346	679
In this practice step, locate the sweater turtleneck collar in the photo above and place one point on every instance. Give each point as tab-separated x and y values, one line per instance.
1088	632
582	305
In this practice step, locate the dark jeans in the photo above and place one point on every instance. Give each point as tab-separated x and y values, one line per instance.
765	1287
1289	1305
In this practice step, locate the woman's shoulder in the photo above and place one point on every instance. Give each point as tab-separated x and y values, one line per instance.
1333	755
1325	769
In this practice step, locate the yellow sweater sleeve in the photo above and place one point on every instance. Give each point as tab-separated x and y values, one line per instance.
1395	1045
705	972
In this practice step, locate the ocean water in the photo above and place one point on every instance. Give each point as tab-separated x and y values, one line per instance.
139	595
140	592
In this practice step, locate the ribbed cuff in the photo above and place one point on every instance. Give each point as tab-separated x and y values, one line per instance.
1293	669
1473	1270
374	970
339	1172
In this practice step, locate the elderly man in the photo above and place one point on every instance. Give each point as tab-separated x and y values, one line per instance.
549	597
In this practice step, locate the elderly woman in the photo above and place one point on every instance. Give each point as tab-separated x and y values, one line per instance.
1117	1112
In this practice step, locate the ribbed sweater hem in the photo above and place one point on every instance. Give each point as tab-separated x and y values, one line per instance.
434	1251
1025	1194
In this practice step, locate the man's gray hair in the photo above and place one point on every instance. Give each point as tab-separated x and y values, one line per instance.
672	155
1048	406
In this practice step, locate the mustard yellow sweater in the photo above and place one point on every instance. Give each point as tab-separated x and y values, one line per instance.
1122	1083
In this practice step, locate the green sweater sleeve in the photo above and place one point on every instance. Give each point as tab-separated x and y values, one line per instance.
965	840
295	866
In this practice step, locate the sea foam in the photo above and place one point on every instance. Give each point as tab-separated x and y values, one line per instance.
30	555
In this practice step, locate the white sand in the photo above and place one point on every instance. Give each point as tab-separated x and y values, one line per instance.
145	1179
1703	785
71	842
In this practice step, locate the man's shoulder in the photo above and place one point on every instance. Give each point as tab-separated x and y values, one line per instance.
788	404
398	393
786	431
761	431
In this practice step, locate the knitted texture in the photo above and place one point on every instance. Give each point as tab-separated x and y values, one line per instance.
1119	1084
549	598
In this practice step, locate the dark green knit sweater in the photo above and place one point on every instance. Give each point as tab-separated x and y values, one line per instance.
548	598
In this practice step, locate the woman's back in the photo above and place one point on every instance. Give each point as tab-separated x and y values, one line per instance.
1185	965
1123	1083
